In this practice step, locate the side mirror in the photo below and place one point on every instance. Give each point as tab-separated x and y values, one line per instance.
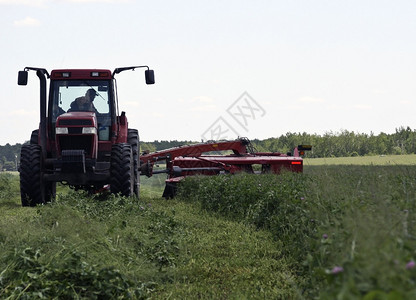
22	78
150	76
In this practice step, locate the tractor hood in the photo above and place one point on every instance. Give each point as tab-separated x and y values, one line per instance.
79	118
77	131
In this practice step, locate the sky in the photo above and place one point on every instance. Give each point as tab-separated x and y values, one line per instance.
223	69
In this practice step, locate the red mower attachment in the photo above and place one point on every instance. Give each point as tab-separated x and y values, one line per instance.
206	159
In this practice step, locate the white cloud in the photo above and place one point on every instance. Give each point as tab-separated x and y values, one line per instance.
335	107
308	99
23	2
362	106
22	112
158	115
202	99
27	22
44	2
379	92
131	104
201	104
91	1
295	107
204	108
205	100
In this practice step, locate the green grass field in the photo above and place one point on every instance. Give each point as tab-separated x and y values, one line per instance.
331	233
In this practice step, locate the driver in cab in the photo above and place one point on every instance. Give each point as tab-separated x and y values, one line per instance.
84	103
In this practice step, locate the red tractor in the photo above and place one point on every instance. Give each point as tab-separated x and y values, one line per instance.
82	141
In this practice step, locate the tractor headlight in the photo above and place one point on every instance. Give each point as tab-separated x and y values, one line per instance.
61	130
89	130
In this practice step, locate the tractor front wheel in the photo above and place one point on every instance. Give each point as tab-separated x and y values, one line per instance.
122	170
33	189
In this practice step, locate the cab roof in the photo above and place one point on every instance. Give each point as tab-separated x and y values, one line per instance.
74	74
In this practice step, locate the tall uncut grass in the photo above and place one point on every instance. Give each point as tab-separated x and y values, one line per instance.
349	230
333	232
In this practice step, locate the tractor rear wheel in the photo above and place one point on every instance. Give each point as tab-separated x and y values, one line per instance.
34	137
33	188
122	170
133	140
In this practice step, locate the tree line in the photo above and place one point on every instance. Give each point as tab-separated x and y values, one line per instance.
9	157
331	144
345	143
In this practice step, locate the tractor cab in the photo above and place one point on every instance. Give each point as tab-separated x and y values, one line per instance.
81	117
71	95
